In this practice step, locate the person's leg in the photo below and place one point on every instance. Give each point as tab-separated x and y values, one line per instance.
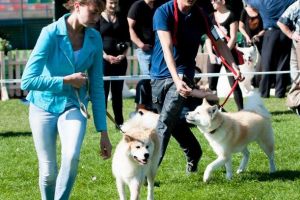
144	59
44	131
267	58
71	127
164	93
293	63
213	81
116	92
284	45
117	101
106	72
237	93
189	144
143	98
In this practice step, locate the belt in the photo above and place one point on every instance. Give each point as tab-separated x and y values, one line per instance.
272	28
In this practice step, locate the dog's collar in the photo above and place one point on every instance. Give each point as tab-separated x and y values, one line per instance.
214	130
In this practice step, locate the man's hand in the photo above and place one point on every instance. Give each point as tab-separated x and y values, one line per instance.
182	88
105	146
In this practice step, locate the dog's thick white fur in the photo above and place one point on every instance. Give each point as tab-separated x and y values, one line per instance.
228	133
137	156
252	58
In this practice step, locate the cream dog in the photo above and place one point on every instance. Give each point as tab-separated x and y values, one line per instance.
137	155
232	132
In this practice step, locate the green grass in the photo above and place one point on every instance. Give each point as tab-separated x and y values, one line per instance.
19	170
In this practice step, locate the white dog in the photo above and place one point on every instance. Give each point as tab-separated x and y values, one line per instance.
251	57
232	132
137	156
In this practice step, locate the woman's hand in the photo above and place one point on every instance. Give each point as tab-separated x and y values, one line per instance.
76	80
111	59
121	57
105	146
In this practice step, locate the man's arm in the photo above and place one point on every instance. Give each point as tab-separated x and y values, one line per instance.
167	46
133	36
287	31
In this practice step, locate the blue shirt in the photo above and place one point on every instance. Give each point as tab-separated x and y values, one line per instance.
190	28
270	10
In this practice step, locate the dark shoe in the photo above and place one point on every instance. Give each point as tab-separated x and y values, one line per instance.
191	168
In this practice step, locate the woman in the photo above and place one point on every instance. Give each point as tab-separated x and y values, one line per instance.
251	27
227	26
115	34
67	56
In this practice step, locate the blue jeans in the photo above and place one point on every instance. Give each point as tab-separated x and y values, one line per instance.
167	101
144	58
45	126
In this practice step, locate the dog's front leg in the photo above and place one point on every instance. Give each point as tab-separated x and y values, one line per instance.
134	187
212	166
121	189
228	166
150	180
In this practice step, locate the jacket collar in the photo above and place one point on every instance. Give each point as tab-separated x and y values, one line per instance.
65	44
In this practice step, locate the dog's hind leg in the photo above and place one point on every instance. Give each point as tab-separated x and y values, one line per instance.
267	145
228	166
220	161
244	161
121	188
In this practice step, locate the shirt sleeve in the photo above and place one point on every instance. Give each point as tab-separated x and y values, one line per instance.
161	20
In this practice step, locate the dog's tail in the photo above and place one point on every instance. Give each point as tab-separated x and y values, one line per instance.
146	120
255	104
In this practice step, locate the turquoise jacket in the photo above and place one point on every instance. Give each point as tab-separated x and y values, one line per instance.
52	58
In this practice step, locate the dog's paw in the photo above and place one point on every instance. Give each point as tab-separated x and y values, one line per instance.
239	171
206	177
205	180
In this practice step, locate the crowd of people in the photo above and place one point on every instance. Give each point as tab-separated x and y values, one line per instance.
70	59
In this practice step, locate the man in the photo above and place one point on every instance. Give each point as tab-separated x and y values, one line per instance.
178	27
276	46
141	34
289	23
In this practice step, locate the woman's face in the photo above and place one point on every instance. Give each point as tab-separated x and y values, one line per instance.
216	3
112	5
88	14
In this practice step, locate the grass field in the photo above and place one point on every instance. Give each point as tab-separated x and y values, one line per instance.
19	170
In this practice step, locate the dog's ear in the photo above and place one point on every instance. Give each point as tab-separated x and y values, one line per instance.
128	138
213	110
205	102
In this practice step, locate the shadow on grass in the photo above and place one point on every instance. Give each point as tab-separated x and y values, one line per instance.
14	134
285	175
285	112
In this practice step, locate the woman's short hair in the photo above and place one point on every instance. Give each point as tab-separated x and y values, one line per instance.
70	4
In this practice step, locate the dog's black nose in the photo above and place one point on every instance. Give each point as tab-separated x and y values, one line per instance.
146	155
186	114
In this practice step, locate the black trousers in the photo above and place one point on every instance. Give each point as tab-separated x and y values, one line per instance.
116	87
275	56
144	94
213	82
